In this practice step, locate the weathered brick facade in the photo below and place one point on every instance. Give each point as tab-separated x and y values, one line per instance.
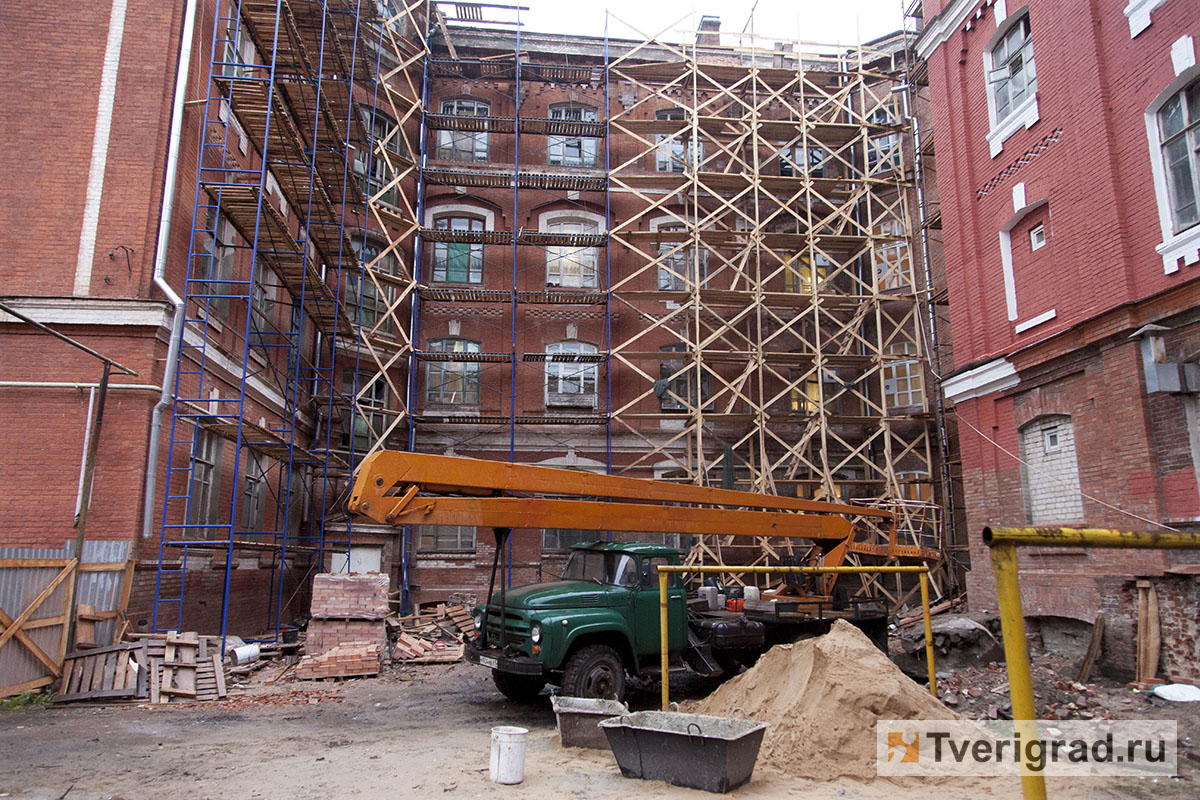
1053	332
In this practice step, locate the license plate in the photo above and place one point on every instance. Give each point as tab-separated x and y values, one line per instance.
488	661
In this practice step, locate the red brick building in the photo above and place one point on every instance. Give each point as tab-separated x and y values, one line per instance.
1068	166
686	261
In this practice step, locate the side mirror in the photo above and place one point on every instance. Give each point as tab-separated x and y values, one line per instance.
647	574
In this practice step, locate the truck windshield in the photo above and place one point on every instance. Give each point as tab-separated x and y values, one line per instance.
617	569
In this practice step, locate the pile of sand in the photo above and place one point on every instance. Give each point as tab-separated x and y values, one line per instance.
822	698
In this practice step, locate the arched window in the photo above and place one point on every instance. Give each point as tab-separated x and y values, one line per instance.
458	262
571	265
572	151
571	374
1050	472
1179	141
458	145
450	381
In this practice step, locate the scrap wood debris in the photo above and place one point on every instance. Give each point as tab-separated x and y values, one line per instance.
162	668
433	636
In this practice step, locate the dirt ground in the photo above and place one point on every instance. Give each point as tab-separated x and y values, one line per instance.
417	732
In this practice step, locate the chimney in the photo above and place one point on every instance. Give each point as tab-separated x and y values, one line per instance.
710	32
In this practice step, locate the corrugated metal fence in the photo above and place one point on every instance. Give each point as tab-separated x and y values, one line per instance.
21	585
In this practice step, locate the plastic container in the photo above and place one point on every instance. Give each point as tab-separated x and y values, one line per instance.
508	754
752	593
709	593
246	654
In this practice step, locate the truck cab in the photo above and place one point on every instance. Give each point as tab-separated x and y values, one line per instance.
585	631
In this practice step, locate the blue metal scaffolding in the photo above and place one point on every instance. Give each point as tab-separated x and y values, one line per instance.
269	261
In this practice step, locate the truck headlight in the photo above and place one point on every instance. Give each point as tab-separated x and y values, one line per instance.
535	632
478	621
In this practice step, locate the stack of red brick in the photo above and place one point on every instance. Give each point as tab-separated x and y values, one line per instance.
343	661
346	634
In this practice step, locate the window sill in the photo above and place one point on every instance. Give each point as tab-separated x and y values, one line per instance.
1023	116
1185	245
571	401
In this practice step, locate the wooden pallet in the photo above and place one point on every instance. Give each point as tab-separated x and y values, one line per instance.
185	666
462	619
104	673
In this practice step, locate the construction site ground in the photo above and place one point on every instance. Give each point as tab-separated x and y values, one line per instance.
413	732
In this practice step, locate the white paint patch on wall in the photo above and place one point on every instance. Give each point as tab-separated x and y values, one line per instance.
104	113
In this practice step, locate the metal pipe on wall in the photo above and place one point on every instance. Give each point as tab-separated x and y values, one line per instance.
167	392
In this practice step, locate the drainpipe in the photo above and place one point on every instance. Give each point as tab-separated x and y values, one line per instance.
160	266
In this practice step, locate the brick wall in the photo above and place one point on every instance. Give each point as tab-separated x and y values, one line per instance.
1179	621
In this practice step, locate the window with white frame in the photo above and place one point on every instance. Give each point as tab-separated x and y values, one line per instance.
572	151
448	538
369	298
464	145
1049	471
674	152
458	262
254	492
571	374
903	378
1037	236
205	491
1179	139
800	161
388	148
679	263
571	265
367	421
390	14
262	306
214	269
893	266
1011	76
453	381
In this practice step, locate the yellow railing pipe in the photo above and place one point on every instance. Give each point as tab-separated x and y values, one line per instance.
665	570
1004	542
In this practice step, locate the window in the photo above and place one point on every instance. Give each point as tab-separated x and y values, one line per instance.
903	380
800	161
883	154
254	492
808	396
564	538
214	270
679	262
239	52
800	277
572	151
390	15
893	267
1050	472
1037	236
1179	136
571	374
459	538
205	491
458	262
464	145
363	424
388	147
915	485
569	265
369	302
674	151
1011	76
453	382
680	388
262	307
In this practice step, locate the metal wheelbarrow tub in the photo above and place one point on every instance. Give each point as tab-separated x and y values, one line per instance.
578	719
715	754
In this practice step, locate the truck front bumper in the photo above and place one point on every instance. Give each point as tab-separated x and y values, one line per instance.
494	658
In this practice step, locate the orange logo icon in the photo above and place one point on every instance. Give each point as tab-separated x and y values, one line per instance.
909	752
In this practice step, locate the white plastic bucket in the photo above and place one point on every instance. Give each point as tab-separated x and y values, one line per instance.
508	754
751	593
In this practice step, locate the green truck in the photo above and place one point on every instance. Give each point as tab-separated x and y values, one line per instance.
600	622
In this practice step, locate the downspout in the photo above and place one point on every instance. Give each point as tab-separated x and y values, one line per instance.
160	266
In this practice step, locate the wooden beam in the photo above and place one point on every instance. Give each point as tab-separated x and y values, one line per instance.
12	629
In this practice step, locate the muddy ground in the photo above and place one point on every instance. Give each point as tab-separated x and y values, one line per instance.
417	732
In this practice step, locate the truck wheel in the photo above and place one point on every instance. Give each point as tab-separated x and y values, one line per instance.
518	688
594	671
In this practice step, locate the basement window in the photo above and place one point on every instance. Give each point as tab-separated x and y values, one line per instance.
1037	237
